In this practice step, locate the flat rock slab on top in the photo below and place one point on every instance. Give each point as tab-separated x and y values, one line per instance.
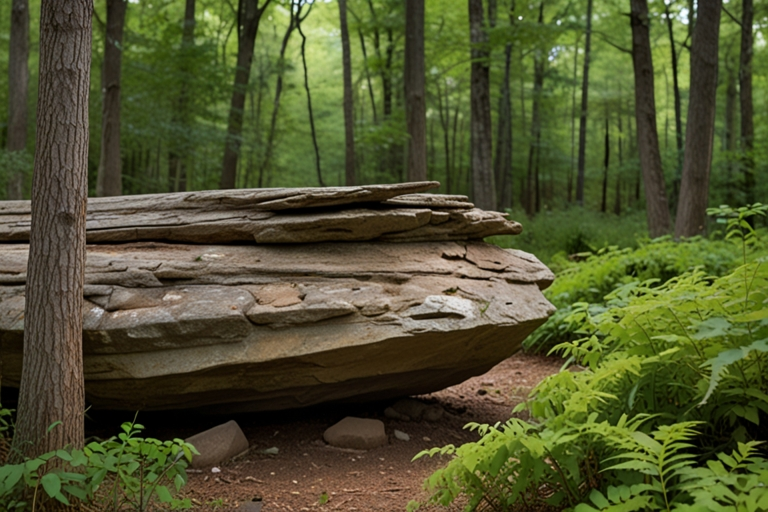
268	216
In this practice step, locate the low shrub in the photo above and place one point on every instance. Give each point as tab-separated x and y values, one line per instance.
126	472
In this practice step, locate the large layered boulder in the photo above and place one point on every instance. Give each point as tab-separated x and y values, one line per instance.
281	298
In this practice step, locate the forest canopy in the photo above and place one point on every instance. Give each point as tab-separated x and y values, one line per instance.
177	81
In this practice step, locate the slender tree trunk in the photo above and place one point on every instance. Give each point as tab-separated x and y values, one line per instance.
368	76
109	181
296	7
503	162
483	187
415	95
248	16
445	116
617	203
699	133
583	114
745	93
180	146
606	162
731	94
309	105
18	88
456	168
52	375
657	208
349	108
571	169
678	107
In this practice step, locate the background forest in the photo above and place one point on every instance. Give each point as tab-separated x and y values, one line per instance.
177	78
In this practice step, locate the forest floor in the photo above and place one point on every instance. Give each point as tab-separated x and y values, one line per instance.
306	474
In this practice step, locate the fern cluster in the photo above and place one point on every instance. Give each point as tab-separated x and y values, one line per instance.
664	405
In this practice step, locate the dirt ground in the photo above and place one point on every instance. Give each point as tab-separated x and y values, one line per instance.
306	471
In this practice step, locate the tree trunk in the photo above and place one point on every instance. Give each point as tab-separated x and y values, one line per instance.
678	107
617	203
483	187
745	93
573	118
657	208
309	104
699	133
503	163
606	162
52	387
349	108
415	95
248	16
179	152
583	115
731	94
18	88
109	180
296	7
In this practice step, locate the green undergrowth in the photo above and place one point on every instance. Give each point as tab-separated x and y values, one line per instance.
552	235
662	403
123	473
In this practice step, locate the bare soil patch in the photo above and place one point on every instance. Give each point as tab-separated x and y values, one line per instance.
305	469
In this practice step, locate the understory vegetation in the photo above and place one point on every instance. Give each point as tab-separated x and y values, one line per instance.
663	400
126	472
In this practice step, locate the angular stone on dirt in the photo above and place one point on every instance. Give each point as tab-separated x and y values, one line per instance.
356	433
218	444
402	436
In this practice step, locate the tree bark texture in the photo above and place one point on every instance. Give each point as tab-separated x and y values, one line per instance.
415	95
109	181
52	377
580	170
349	107
18	87
745	96
483	186
248	17
699	132
657	207
180	145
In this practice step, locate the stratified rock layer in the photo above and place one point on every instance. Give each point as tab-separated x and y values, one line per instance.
272	326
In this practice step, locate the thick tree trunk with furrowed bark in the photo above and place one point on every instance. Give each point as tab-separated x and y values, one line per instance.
657	208
52	378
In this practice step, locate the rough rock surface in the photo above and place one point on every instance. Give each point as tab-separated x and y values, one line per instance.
356	434
254	326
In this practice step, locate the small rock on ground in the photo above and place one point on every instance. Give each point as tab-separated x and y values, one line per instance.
356	433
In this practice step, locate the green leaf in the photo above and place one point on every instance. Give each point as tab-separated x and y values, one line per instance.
51	483
163	494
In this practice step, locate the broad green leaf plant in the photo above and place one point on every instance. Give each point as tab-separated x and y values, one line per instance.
123	473
667	408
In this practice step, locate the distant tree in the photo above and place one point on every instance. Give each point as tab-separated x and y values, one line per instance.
178	154
249	14
503	163
349	108
52	376
483	186
699	132
580	171
657	208
109	181
18	86
532	200
415	94
745	95
312	128
678	106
